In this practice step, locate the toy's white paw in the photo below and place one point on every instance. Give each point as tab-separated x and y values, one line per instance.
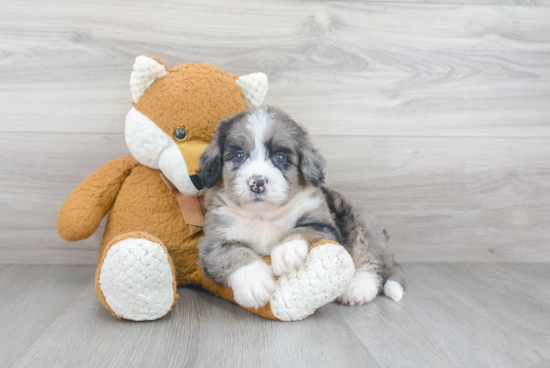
136	280
253	284
287	256
363	288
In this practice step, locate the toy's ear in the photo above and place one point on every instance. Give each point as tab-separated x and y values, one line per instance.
146	70
254	88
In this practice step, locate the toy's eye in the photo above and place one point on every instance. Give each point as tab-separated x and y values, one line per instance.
180	134
240	157
280	158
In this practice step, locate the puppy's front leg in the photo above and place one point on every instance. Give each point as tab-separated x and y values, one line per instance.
288	255
237	266
253	284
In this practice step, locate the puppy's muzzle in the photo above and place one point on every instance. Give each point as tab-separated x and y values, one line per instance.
257	184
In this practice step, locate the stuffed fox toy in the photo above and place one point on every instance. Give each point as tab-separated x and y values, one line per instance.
155	200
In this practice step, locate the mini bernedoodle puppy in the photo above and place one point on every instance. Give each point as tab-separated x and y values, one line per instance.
267	197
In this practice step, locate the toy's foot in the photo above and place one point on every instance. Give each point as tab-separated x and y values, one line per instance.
135	279
325	274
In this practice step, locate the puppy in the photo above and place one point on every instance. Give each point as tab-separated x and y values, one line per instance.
267	198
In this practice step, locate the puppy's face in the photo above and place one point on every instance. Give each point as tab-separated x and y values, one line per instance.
262	158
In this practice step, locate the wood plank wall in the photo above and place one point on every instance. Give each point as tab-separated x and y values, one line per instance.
433	115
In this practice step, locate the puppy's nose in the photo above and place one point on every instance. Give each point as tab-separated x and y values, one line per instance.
257	184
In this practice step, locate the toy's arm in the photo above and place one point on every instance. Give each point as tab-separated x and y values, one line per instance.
81	214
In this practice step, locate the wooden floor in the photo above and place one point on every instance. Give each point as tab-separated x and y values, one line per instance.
478	315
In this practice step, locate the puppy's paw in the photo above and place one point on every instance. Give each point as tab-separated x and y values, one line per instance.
393	290
363	288
287	256
253	284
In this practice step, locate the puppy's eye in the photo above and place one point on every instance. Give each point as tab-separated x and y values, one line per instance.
180	134
239	157
280	158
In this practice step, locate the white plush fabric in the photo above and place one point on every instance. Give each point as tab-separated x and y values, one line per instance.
145	139
254	88
136	280
324	275
173	165
146	71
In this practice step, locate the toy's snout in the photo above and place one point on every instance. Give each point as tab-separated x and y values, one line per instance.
180	163
191	152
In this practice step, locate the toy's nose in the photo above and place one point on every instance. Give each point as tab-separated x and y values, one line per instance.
257	184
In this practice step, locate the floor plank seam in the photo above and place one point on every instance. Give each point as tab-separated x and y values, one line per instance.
442	4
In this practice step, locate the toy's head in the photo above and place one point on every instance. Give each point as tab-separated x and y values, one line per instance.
175	113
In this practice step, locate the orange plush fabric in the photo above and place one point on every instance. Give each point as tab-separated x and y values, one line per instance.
83	210
193	97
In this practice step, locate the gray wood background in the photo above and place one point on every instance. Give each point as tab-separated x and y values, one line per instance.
433	115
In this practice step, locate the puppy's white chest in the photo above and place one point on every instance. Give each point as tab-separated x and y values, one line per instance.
262	231
261	234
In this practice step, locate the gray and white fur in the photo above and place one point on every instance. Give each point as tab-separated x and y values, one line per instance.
267	197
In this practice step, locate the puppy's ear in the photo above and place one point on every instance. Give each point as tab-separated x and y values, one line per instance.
312	165
211	161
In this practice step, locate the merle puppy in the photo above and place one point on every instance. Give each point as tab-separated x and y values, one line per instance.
267	197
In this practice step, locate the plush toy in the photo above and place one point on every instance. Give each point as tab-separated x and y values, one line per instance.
156	209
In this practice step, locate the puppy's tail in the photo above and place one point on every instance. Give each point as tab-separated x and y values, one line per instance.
394	287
